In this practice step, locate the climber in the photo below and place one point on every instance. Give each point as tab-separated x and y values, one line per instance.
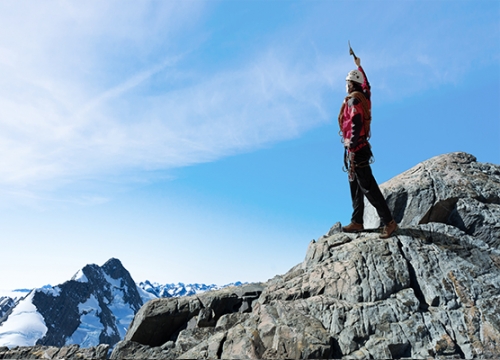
354	121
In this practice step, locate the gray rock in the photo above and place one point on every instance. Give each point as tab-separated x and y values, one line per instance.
478	219
187	322
51	352
453	189
208	348
134	350
173	315
430	291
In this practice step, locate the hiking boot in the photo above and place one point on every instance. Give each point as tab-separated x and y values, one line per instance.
352	227
388	230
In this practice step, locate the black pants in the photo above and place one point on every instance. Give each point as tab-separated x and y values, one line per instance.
364	184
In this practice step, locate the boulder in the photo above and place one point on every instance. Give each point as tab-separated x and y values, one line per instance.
187	321
453	189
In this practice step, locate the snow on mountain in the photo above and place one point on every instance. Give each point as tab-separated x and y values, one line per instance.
24	326
9	298
121	309
87	334
179	289
80	277
95	307
146	295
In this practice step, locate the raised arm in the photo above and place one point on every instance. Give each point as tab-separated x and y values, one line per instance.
366	84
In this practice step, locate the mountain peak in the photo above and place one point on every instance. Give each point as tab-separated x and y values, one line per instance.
94	307
114	268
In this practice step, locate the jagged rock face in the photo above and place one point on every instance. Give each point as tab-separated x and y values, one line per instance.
453	189
432	290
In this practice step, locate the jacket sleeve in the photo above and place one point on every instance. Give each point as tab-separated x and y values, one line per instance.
366	84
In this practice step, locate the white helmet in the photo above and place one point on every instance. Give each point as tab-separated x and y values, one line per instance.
356	76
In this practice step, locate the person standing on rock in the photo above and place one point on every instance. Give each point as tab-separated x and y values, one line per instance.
354	122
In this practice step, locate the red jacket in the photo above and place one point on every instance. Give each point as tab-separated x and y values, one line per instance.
353	129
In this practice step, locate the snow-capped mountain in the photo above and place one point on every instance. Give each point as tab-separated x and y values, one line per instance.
24	325
179	289
95	307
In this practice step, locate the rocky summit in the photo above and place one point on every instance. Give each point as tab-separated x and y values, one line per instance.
430	291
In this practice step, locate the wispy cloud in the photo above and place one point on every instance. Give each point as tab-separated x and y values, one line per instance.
97	115
99	89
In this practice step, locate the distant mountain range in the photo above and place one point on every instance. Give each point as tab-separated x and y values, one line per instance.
179	289
95	306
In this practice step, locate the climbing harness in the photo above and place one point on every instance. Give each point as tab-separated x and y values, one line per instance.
350	165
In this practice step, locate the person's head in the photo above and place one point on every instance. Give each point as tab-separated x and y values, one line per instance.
351	86
354	80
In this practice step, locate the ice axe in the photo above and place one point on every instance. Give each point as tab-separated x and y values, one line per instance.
350	50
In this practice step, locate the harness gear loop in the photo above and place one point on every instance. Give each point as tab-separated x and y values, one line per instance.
350	165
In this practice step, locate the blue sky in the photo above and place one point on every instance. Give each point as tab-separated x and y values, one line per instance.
196	141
